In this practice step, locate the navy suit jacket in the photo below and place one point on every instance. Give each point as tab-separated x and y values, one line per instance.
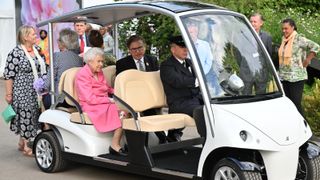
178	83
128	62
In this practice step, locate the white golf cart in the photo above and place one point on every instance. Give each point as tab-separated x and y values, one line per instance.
251	131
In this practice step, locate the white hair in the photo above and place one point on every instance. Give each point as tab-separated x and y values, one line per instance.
92	53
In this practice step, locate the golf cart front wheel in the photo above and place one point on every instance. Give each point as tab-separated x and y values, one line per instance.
308	169
226	169
47	153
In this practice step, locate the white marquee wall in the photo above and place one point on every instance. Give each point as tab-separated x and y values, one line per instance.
7	38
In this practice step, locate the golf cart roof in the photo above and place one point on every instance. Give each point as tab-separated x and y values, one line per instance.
109	13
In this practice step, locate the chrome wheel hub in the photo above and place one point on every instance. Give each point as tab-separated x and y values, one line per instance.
226	173
44	153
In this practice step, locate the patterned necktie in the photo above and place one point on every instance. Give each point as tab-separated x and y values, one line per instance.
81	44
141	67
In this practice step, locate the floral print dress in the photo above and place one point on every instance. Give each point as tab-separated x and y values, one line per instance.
295	71
25	99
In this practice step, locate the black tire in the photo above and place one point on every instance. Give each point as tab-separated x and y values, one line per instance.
308	169
230	170
48	154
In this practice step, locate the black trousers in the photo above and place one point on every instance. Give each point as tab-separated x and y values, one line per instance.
294	91
187	107
46	100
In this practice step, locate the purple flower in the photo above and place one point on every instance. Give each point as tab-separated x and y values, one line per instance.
39	85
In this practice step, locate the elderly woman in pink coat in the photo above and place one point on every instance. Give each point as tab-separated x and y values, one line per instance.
93	93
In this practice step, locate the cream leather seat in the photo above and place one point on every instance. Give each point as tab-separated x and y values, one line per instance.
142	91
109	73
67	84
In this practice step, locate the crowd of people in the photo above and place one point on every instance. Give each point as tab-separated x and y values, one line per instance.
86	48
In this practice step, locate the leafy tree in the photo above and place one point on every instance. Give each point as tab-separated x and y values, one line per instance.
311	104
229	60
155	29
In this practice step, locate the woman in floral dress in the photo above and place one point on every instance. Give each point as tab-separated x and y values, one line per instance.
23	66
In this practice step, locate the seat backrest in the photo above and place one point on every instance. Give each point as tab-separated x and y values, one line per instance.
141	90
109	73
67	84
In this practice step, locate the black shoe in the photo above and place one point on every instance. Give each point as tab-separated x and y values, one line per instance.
162	137
125	148
121	152
174	137
163	141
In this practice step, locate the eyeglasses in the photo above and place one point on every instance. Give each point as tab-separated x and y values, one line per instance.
138	49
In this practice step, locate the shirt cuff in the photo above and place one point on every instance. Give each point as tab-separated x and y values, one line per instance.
196	83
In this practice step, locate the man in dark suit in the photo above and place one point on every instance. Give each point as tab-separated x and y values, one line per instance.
180	84
142	62
260	80
257	21
138	59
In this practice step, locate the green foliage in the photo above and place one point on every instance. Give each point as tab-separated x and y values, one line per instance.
155	29
311	105
109	59
304	12
229	60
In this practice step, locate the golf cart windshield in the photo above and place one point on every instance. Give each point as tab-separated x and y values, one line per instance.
232	60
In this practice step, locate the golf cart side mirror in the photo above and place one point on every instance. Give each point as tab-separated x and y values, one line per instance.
231	83
235	83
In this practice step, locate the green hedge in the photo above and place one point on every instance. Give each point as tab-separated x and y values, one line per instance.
304	12
311	105
155	29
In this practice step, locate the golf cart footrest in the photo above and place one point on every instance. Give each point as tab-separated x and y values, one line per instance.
177	145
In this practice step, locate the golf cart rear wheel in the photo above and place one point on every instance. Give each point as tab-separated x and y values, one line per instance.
48	154
308	169
226	169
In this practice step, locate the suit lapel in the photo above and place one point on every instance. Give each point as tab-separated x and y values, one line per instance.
132	63
147	64
189	66
181	67
87	40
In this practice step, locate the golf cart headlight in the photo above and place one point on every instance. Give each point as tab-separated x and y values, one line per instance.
243	135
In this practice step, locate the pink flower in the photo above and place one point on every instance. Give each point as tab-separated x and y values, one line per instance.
35	11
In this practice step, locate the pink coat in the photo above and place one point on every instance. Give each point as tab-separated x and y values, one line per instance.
93	97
